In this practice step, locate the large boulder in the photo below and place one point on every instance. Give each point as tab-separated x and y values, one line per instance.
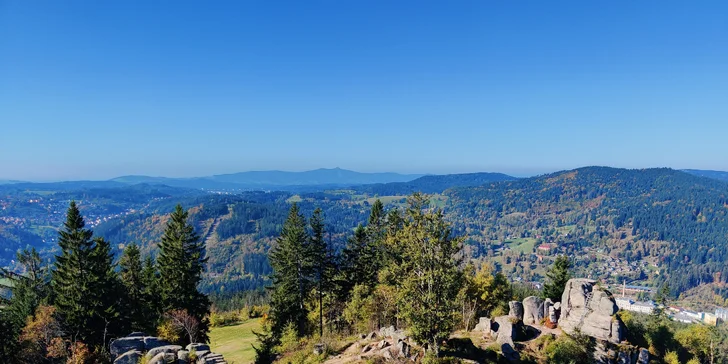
591	310
516	310
125	344
163	358
532	310
151	342
508	329
164	349
484	325
129	357
547	303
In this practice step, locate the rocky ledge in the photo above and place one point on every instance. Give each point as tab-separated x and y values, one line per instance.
131	349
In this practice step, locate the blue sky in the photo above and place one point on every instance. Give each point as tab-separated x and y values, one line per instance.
97	89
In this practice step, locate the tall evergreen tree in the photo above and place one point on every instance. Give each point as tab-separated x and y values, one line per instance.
181	263
150	280
137	305
84	283
291	262
431	278
323	259
557	276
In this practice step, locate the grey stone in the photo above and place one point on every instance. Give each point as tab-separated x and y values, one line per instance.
403	349
151	342
198	347
516	310
202	353
623	358
383	344
183	356
137	334
591	310
509	329
372	335
163	358
124	344
319	349
557	306
130	357
164	349
553	317
644	356
484	325
547	304
532	310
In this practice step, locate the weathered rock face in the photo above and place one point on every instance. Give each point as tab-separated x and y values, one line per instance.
591	310
516	310
644	356
532	310
507	329
484	325
130	350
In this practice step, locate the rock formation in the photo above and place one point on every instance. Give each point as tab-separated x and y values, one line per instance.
516	310
131	349
590	310
532	310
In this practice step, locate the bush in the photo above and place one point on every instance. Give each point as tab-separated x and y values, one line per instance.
570	349
289	339
169	332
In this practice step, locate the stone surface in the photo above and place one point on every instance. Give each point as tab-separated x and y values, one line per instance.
643	357
151	342
130	357
547	304
319	349
553	315
124	344
163	349
590	309
508	329
137	334
383	344
163	358
198	347
403	349
516	310
532	310
372	335
484	325
391	332
623	358
183	356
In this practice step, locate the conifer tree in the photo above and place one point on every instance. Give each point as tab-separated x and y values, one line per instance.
181	263
150	281
84	283
291	262
324	264
431	279
137	304
557	276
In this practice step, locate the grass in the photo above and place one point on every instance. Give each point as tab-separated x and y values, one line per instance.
235	342
524	245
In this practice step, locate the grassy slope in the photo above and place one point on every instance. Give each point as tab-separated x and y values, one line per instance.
234	342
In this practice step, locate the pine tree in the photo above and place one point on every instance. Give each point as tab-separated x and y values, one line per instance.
84	283
557	277
150	281
181	263
291	262
431	279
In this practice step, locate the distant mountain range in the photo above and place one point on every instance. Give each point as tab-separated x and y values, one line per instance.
719	175
274	180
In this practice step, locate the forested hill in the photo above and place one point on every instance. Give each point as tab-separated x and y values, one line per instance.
719	175
434	183
672	218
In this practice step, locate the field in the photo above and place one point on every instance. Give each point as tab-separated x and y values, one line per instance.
524	245
234	342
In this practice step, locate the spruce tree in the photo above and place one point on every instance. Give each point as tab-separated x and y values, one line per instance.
84	283
150	281
181	263
323	259
291	262
136	305
557	276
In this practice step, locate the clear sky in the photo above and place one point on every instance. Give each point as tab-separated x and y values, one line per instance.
97	89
